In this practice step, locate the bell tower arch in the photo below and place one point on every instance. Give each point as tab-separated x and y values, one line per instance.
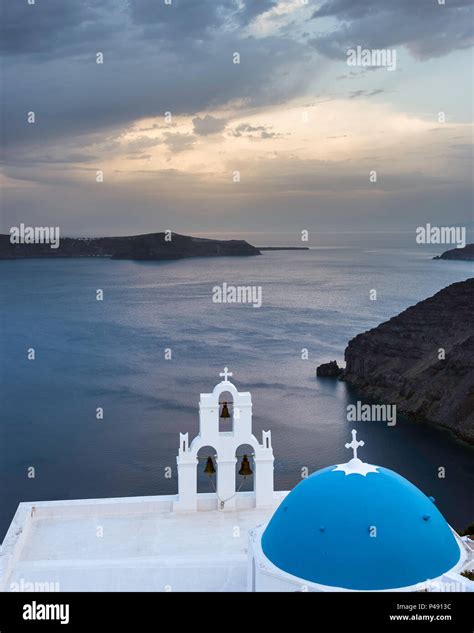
226	412
226	442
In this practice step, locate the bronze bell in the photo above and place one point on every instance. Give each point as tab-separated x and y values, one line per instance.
245	467
209	469
225	411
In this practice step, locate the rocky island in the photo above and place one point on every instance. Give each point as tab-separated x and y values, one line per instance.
150	246
463	254
422	360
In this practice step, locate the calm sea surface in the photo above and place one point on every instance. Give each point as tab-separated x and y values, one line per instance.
110	354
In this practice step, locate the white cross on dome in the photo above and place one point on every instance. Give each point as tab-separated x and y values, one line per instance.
354	444
356	466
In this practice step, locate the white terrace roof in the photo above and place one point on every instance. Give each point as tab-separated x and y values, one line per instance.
129	544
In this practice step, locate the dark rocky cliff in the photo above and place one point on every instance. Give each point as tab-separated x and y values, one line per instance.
466	253
151	246
397	362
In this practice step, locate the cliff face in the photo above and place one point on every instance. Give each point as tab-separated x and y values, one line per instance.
466	253
397	362
152	246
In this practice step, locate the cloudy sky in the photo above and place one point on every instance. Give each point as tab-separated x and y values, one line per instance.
190	141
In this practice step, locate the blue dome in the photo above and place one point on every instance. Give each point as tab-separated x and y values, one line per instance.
321	532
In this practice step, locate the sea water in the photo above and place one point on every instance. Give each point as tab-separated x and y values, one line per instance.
157	340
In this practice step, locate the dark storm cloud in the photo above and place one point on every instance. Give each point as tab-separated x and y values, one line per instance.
178	58
194	18
73	97
51	67
53	26
425	27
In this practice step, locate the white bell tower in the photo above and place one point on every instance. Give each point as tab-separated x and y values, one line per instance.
225	444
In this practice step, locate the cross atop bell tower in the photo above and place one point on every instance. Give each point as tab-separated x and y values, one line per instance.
225	374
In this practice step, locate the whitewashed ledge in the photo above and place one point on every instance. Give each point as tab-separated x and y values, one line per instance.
130	544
